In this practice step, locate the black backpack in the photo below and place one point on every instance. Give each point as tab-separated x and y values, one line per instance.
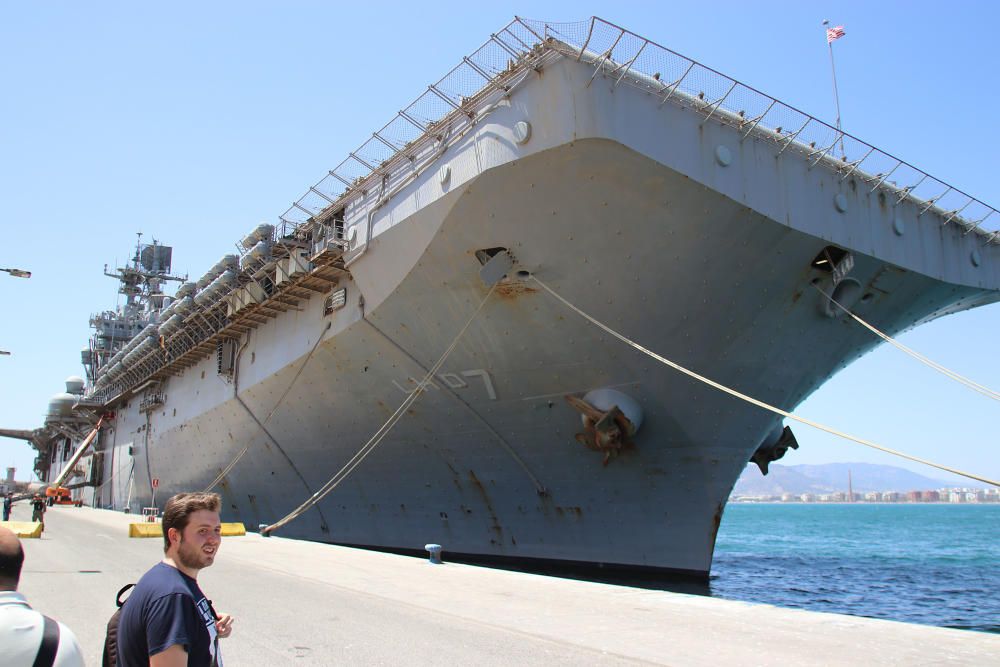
111	637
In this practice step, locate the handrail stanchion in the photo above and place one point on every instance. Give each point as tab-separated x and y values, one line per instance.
910	188
503	45
719	103
329	199
856	164
675	84
825	151
759	118
630	63
405	116
955	213
792	137
883	179
931	202
340	178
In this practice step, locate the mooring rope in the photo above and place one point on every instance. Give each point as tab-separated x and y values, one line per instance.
380	434
302	367
226	470
971	384
754	401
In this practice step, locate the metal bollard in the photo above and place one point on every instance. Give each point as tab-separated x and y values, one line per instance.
435	552
260	529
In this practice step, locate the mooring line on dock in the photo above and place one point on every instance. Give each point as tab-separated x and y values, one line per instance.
380	434
971	384
750	399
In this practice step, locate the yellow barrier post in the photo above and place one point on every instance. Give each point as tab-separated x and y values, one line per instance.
23	529
156	530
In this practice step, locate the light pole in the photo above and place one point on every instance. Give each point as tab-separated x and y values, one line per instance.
17	273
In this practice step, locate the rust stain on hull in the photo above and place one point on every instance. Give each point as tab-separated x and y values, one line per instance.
495	527
513	290
716	522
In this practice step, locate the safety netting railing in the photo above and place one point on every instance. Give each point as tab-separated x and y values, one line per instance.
630	59
452	101
456	101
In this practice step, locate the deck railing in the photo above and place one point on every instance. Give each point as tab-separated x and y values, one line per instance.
636	61
415	137
452	101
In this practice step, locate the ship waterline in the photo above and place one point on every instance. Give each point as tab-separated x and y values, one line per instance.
707	243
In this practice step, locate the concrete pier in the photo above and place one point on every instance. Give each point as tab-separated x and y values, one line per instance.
310	604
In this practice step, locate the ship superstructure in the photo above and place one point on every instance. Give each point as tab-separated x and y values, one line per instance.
142	283
705	219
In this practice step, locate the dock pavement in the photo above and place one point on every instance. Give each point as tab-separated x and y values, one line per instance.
303	603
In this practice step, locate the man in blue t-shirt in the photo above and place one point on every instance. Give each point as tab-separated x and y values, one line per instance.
167	621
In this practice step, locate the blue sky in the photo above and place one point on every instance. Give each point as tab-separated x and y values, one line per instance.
191	122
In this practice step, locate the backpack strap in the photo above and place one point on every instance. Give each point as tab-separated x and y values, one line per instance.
46	656
118	598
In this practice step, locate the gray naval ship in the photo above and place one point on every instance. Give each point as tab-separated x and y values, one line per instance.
692	213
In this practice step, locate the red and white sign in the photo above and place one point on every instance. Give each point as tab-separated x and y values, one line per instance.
156	482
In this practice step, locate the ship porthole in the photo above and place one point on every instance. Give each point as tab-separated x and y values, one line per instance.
723	156
840	203
522	131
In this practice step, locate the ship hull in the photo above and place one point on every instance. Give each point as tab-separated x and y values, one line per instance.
624	209
485	462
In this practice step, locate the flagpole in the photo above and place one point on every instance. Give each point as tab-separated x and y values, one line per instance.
836	95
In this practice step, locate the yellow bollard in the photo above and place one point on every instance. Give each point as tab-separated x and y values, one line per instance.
233	530
145	529
23	529
156	530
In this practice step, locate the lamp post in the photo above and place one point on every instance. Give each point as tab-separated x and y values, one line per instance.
17	273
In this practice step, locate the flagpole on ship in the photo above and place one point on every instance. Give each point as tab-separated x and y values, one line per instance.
831	35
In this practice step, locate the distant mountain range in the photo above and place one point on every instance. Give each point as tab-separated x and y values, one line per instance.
832	477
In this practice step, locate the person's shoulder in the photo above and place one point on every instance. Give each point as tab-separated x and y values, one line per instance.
161	579
69	653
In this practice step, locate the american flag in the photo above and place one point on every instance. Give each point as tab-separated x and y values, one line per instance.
834	33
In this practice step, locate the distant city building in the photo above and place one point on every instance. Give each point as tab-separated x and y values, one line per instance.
957	495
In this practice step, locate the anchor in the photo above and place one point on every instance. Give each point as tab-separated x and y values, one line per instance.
603	431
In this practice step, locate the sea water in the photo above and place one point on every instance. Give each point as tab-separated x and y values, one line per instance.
937	564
